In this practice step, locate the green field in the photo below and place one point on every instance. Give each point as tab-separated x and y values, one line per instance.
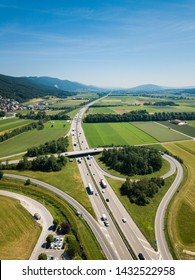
101	134
12	123
100	110
21	142
181	213
186	129
18	232
159	132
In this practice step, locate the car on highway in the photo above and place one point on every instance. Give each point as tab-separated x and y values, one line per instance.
107	200
106	223
124	220
141	256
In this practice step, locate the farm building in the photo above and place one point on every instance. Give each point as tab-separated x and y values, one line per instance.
177	122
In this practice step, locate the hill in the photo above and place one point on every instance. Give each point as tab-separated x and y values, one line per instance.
147	87
61	84
23	89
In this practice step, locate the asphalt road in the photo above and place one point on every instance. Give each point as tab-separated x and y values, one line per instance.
160	215
132	233
100	234
46	221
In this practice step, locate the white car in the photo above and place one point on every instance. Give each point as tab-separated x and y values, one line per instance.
52	245
60	245
124	220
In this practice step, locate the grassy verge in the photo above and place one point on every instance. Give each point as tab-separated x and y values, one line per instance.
143	216
59	209
19	232
181	211
67	180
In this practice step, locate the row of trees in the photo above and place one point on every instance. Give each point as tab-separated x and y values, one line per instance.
41	115
41	163
140	115
35	125
141	191
131	160
55	146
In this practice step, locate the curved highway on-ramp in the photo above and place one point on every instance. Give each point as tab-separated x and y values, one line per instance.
103	241
160	215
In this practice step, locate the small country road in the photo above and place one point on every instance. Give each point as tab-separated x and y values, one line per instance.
46	221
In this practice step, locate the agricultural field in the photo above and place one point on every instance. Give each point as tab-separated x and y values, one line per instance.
12	123
102	134
191	123
100	110
186	129
125	103
19	232
181	214
160	132
20	143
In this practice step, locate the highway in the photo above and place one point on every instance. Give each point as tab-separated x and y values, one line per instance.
131	232
119	239
100	235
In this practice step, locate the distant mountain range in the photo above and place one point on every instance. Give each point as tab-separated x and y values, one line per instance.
25	88
63	84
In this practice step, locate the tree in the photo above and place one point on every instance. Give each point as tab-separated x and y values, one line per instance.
1	174
65	227
42	256
49	239
56	222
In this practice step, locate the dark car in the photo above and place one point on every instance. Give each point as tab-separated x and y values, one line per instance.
141	257
107	200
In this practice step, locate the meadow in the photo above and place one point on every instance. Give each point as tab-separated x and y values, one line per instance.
186	129
100	110
19	232
12	123
20	143
102	134
181	214
159	132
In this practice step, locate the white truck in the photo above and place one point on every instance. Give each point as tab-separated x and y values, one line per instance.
103	183
90	189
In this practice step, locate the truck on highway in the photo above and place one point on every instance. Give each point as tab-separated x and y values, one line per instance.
103	183
90	189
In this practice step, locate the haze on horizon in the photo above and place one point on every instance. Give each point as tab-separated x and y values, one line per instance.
118	43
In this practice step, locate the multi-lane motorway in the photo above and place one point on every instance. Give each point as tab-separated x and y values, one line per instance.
121	239
92	174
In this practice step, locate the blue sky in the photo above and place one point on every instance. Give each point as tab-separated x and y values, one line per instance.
106	43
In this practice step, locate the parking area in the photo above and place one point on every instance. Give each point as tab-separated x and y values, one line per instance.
56	249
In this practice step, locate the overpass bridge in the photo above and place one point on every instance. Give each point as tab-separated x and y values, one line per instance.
83	152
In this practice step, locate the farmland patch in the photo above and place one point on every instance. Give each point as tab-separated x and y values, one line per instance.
159	132
102	134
